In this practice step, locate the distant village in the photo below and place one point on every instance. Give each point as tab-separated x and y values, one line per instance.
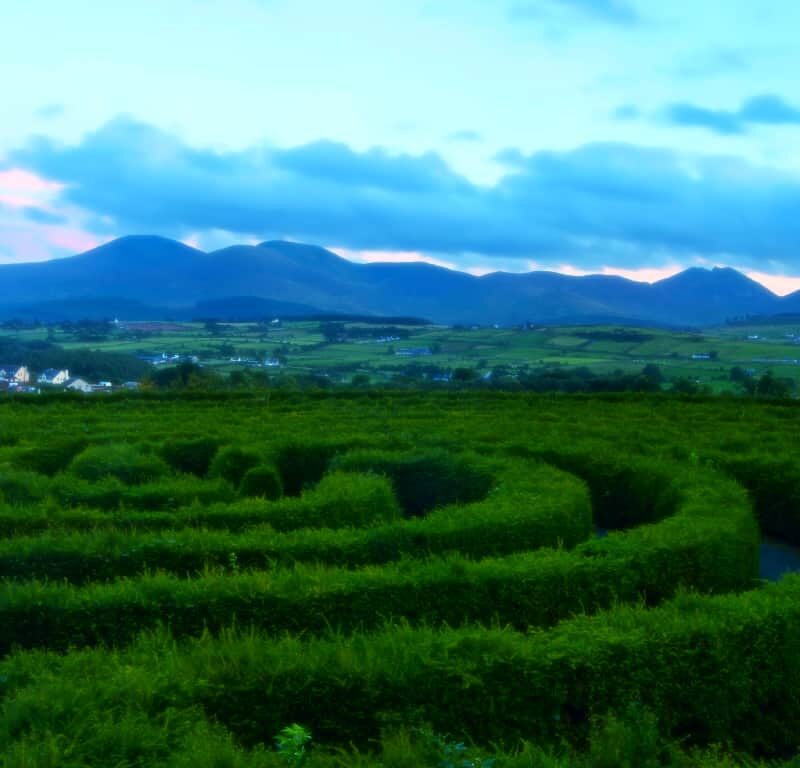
16	378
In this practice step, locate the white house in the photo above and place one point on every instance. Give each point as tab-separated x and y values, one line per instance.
14	372
79	385
53	376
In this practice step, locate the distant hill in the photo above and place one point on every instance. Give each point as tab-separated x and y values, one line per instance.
146	277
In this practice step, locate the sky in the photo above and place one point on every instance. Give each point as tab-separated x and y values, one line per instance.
630	137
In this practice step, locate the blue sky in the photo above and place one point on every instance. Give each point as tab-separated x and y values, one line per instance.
625	136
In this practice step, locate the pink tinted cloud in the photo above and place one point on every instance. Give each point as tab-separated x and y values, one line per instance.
779	284
22	189
23	242
71	239
642	275
20	180
395	257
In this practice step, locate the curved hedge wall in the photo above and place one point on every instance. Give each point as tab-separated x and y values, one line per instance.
495	571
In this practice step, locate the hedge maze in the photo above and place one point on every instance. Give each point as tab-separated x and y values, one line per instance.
415	579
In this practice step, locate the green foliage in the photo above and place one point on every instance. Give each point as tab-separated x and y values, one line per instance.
233	462
428	593
263	481
423	481
302	464
52	456
17	487
190	455
536	506
119	461
292	744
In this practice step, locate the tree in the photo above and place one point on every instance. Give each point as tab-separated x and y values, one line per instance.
738	374
772	387
333	332
464	375
653	372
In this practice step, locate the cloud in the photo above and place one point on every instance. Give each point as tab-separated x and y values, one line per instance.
464	136
619	12
717	120
627	112
766	109
43	216
50	111
596	205
511	157
722	61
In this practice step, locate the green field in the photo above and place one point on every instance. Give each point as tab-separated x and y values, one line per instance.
304	349
398	579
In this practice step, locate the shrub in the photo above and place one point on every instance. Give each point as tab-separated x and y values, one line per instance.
51	456
263	481
120	461
774	483
302	464
73	491
191	455
233	462
423	481
176	493
340	500
17	487
708	669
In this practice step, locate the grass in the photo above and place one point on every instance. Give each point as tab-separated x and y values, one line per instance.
308	352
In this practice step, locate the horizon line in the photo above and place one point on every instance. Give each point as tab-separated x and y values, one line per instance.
779	284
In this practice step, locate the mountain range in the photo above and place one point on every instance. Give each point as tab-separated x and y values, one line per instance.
148	277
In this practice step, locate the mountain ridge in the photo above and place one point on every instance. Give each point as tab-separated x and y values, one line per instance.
157	272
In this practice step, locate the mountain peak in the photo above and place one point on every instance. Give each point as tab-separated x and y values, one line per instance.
157	271
140	245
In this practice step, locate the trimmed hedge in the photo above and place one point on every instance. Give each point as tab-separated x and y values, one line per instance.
190	455
710	669
19	487
710	544
423	480
52	456
111	494
533	506
302	464
119	461
774	484
233	462
262	481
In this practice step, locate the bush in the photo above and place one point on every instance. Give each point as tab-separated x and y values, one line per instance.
72	491
18	487
176	493
709	669
192	455
263	481
775	486
233	462
423	481
302	464
51	456
340	500
535	506
119	461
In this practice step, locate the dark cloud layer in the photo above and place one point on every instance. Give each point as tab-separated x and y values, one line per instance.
599	204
